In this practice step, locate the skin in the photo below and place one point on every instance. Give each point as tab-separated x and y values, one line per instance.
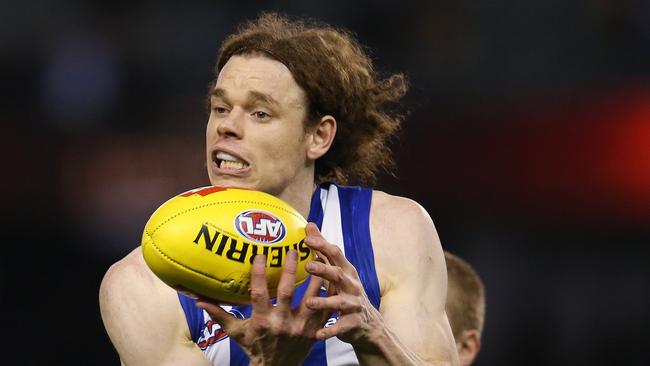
468	344
257	115
468	339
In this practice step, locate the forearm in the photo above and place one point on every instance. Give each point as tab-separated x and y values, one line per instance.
385	348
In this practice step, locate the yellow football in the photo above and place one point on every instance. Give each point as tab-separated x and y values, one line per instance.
203	241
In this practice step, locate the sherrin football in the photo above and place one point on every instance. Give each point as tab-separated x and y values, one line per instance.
203	241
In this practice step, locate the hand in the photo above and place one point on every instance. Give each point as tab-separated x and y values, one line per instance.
359	322
273	335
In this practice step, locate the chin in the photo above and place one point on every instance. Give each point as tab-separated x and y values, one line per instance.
225	182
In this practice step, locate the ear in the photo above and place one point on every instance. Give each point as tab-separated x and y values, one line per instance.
320	137
468	344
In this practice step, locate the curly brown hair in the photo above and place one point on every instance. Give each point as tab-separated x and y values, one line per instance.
339	80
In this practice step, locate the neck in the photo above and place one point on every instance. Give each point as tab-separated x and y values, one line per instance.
299	197
298	193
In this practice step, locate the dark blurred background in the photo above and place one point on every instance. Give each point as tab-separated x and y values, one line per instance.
528	144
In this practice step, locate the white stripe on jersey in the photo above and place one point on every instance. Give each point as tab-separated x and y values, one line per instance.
337	352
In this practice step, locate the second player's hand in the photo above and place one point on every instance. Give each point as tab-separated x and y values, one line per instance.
274	335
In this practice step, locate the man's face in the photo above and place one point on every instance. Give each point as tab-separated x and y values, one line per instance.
255	136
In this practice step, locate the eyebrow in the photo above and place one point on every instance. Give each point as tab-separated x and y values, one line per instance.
262	97
219	93
253	97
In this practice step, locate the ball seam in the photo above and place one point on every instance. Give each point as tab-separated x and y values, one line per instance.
172	260
219	203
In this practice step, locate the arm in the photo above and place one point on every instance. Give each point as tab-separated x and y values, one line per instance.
143	317
411	327
414	278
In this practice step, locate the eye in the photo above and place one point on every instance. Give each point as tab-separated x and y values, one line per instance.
220	110
261	115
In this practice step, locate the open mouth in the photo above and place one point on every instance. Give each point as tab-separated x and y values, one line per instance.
228	161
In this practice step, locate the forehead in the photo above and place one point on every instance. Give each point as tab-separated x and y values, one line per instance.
243	74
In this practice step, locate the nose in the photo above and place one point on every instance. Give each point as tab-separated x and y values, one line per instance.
232	125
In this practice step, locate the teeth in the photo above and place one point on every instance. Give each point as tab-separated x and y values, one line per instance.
228	161
225	164
225	156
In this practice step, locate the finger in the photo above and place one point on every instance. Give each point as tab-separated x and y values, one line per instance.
259	289
316	241
313	290
287	282
342	304
333	274
342	326
227	321
313	319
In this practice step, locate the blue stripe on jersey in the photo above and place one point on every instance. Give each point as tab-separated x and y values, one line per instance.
355	219
316	209
317	356
193	315
355	212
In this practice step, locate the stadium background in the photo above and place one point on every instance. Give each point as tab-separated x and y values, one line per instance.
528	144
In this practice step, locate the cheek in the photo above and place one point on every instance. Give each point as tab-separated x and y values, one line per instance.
208	133
210	127
284	153
276	153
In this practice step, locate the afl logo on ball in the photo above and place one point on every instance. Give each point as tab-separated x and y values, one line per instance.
260	227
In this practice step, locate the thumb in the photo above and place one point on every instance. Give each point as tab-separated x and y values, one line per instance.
312	230
227	321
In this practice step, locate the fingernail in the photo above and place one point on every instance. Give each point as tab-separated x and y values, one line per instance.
260	258
310	266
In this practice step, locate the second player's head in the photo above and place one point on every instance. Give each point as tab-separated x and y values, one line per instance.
465	307
331	90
